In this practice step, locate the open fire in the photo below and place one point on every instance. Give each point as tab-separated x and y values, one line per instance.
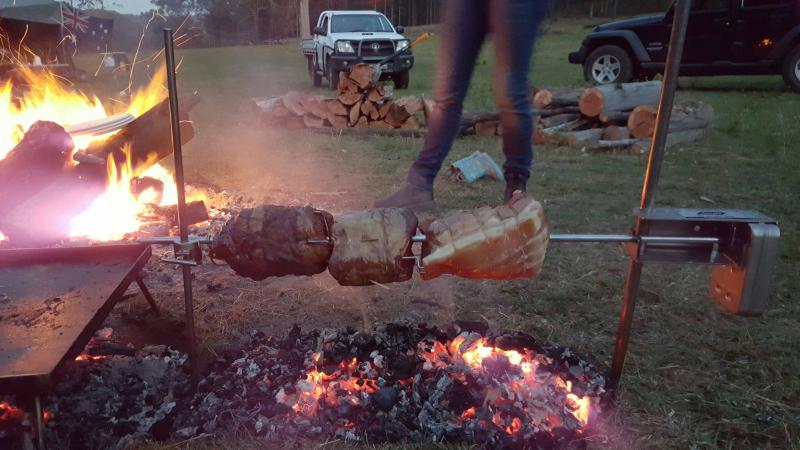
118	210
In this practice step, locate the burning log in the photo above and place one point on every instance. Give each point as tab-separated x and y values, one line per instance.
148	137
619	97
270	241
370	247
196	212
502	243
42	155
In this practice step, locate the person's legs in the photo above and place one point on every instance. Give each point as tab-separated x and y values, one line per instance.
462	32
514	25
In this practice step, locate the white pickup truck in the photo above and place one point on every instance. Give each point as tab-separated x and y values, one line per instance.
345	38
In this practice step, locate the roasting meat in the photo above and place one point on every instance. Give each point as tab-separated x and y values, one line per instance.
369	246
272	241
503	243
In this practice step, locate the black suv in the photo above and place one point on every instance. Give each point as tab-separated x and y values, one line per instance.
725	37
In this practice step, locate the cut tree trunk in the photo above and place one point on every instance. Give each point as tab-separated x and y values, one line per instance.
336	120
642	121
336	107
350	97
376	93
614	117
293	101
486	128
552	121
615	133
619	97
149	136
355	113
411	103
361	75
543	99
396	116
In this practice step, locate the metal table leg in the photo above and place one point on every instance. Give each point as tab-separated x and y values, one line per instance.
147	295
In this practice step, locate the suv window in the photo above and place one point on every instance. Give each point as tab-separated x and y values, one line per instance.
745	4
710	5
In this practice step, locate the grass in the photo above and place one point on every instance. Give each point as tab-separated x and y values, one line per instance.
695	377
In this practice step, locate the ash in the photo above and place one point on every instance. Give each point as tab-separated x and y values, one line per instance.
400	383
109	398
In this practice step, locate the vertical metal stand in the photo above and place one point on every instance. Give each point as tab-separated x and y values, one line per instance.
169	53
38	422
654	162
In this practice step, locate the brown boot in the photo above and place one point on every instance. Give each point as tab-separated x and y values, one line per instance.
514	183
412	197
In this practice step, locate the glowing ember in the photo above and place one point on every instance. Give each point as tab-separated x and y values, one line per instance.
117	211
86	357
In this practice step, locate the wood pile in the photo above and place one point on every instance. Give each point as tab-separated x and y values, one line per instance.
601	117
360	103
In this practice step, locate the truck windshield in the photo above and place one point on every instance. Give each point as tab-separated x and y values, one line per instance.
353	23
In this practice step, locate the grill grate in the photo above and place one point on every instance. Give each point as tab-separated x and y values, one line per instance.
370	48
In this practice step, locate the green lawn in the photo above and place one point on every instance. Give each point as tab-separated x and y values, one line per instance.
695	377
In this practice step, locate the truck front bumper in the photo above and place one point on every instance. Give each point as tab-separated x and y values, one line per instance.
343	63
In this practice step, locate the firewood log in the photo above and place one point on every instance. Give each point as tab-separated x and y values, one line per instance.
336	120
428	105
42	154
615	133
396	116
619	97
368	107
270	107
369	247
361	75
614	117
345	84
362	121
642	121
272	241
320	109
380	124
542	99
503	243
583	136
293	101
374	114
312	121
486	128
355	113
336	107
149	137
559	119
411	103
350	98
383	110
411	124
376	93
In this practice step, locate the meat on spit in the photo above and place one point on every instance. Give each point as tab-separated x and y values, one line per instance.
273	241
502	243
370	246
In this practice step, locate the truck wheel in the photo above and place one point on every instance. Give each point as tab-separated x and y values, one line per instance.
401	80
607	65
333	78
316	79
791	69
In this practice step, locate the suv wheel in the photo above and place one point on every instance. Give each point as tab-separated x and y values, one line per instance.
608	64
791	69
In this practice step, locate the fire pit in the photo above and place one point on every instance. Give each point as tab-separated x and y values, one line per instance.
402	383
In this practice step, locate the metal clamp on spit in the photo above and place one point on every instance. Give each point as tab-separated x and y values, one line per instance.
185	253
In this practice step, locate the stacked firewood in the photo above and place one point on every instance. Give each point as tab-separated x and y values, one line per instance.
602	117
360	103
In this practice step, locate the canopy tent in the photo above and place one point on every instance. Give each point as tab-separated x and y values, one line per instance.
36	25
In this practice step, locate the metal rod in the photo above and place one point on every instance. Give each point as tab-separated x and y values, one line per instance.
169	53
670	83
147	295
651	176
38	422
607	238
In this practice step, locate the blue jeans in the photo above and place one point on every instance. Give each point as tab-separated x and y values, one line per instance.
513	25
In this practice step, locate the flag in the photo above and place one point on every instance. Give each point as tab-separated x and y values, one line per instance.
74	19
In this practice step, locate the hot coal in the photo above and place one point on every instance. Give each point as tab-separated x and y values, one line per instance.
400	383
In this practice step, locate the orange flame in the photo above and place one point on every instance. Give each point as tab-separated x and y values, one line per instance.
117	211
87	357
